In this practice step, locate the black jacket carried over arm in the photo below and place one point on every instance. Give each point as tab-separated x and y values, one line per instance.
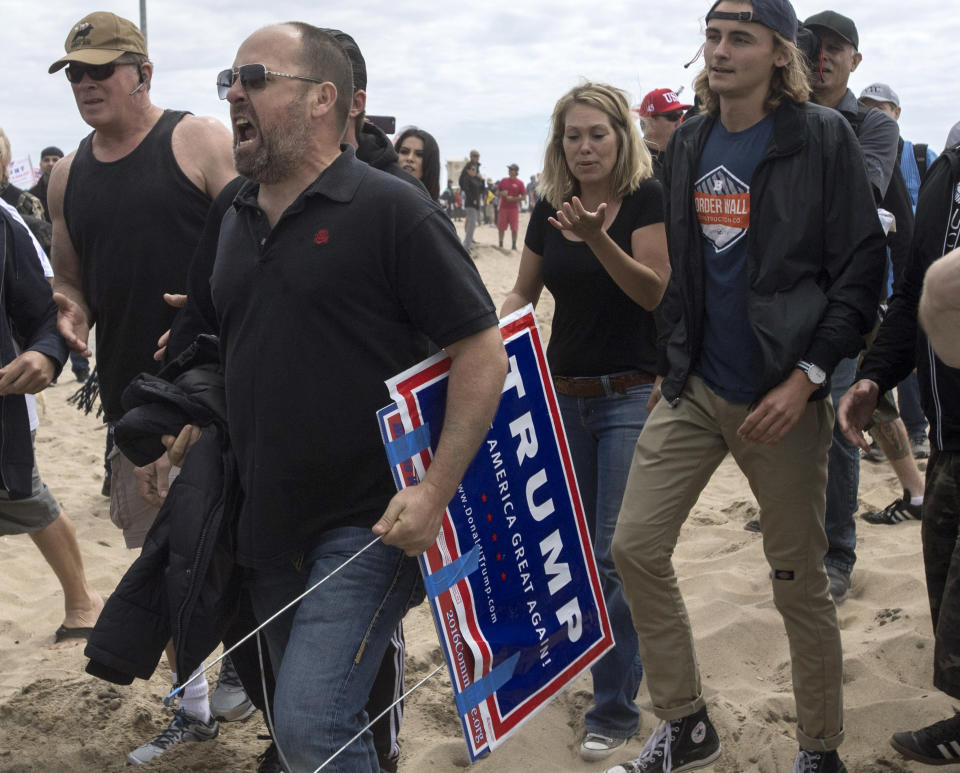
900	344
28	322
184	584
815	248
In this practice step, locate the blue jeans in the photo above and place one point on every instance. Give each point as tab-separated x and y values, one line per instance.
326	651
843	481
471	224
908	401
602	433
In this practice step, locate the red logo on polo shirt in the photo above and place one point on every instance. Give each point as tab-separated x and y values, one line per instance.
322	236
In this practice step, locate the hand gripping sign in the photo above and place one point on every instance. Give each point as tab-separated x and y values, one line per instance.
511	579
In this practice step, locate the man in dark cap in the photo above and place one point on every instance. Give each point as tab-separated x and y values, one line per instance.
48	159
879	138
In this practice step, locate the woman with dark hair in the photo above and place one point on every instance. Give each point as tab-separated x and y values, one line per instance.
420	156
596	241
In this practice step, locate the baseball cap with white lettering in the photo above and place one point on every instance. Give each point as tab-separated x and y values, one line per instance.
660	101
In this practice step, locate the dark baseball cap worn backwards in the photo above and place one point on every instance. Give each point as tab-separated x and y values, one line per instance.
100	38
777	15
838	23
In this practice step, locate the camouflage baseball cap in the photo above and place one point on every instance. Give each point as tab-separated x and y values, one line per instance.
99	38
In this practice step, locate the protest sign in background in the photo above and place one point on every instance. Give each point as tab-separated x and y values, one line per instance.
22	173
512	580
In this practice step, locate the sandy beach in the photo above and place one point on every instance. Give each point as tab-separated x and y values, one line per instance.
54	717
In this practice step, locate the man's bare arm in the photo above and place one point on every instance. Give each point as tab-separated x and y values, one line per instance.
940	307
74	317
203	148
477	372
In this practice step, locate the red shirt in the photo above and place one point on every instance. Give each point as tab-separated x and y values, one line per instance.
513	186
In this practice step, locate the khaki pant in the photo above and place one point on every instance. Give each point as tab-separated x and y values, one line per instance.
677	453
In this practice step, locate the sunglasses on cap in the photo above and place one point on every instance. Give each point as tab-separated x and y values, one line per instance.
253	77
673	116
98	72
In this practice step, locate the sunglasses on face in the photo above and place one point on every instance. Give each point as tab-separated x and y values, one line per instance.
97	72
673	116
253	77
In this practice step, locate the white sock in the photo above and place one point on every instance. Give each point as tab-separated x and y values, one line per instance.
916	501
193	699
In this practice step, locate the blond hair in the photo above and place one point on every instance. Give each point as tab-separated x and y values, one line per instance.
633	164
792	81
6	156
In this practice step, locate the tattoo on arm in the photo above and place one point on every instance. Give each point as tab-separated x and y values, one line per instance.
892	438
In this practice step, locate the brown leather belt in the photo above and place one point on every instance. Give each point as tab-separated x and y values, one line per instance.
593	387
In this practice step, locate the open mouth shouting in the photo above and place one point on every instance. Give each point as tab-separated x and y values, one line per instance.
244	132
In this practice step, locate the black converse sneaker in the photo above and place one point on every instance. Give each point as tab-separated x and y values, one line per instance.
676	746
936	744
818	762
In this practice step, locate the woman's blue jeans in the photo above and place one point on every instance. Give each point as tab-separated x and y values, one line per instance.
602	433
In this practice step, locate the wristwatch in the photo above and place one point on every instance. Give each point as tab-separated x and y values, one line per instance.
815	373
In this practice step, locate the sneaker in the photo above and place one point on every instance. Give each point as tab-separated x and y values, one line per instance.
676	746
937	744
183	729
874	454
229	702
839	583
596	747
753	525
269	760
897	511
818	762
81	375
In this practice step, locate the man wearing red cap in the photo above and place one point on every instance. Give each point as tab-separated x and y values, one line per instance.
660	113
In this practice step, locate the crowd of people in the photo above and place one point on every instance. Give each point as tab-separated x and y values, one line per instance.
752	274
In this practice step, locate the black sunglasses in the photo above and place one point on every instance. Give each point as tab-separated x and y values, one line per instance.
98	72
673	116
253	77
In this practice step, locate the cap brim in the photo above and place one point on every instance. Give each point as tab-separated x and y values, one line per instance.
87	56
836	32
673	109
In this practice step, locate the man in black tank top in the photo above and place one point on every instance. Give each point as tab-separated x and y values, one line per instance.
127	209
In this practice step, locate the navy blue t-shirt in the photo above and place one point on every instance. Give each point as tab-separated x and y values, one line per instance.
730	360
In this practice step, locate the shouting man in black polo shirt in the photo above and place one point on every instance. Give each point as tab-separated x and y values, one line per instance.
330	277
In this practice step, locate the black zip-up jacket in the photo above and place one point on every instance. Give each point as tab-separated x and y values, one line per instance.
815	248
184	584
901	344
28	321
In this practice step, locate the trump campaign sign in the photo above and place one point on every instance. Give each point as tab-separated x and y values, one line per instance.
511	579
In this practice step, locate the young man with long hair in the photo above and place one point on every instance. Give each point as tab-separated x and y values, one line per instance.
773	242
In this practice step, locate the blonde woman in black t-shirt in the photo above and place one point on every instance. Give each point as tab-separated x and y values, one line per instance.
596	241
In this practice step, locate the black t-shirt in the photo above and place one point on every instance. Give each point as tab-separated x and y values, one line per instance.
346	290
597	329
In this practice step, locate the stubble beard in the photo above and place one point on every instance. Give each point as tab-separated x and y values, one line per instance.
279	152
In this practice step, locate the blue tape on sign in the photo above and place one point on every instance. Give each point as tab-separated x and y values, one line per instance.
447	576
405	446
485	687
